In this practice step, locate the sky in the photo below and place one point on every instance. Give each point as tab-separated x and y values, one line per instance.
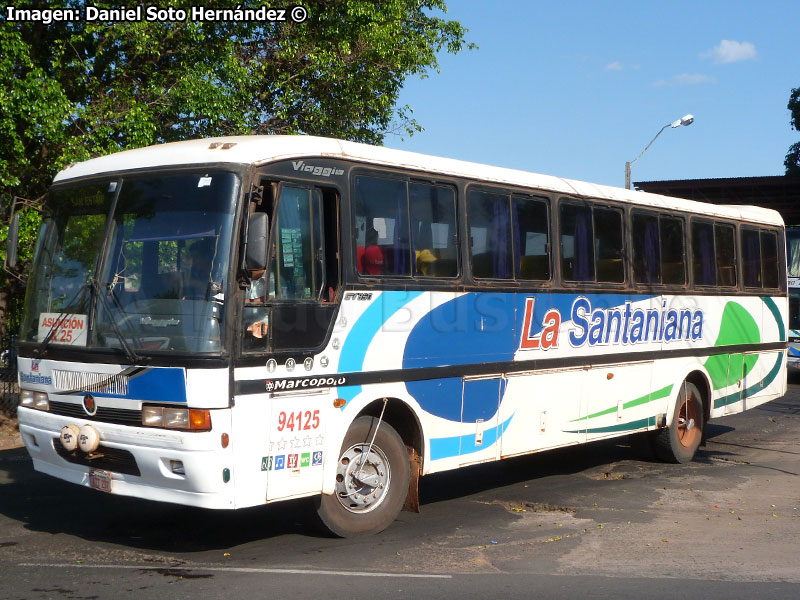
577	88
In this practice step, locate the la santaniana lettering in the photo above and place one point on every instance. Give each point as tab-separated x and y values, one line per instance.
610	326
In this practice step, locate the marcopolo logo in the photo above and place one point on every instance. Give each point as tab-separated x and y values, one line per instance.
300	165
304	383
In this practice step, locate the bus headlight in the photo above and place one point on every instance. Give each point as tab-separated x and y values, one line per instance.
31	399
186	419
176	418
152	416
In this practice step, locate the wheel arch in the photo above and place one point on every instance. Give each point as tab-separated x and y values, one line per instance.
701	381
400	416
697	375
405	422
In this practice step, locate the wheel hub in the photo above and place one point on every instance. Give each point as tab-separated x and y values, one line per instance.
687	421
362	478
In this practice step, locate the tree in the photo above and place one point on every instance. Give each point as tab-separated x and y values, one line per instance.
792	161
71	91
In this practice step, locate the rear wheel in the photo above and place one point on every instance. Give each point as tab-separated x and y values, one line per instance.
679	441
371	480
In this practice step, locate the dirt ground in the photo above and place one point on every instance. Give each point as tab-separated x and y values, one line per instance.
9	433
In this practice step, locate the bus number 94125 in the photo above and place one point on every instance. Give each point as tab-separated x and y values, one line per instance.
299	421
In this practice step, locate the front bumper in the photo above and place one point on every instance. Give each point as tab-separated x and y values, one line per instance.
153	451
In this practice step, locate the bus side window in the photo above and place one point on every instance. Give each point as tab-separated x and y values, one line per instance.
433	230
577	242
725	245
382	241
646	248
769	259
673	265
490	235
531	239
751	258
703	263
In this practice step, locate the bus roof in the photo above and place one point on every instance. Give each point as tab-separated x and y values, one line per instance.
260	150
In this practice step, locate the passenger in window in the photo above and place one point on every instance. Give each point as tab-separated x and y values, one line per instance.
257	292
257	318
370	256
259	329
425	260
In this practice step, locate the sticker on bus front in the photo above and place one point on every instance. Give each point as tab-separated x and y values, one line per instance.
69	329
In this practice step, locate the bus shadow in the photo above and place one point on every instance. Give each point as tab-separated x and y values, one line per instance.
49	505
634	454
45	504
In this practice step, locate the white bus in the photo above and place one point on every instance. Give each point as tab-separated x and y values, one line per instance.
231	322
793	273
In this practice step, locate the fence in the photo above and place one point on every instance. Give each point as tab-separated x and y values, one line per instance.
9	391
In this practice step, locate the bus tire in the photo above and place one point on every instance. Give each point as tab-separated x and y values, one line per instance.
367	499
678	442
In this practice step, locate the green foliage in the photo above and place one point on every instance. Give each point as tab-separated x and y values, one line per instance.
792	161
71	91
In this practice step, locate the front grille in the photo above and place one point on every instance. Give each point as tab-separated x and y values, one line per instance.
108	459
118	416
81	381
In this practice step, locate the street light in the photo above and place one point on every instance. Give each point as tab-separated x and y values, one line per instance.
685	120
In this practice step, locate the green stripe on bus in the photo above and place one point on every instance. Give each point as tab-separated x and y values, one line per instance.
737	326
632	425
657	395
773	308
753	389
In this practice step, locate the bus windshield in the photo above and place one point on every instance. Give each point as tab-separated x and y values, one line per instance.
161	285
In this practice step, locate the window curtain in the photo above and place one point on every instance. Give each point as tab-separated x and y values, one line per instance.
519	241
400	245
651	251
501	229
583	246
752	259
705	241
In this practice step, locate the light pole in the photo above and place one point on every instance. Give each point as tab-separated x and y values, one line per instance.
686	120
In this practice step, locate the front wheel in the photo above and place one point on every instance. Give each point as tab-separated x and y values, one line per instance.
371	480
679	441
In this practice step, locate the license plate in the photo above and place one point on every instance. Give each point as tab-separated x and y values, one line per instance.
100	480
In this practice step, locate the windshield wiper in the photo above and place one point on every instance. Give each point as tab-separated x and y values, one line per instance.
133	358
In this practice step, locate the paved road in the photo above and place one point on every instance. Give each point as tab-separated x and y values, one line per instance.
603	520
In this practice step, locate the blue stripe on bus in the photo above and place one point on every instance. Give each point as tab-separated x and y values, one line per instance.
461	445
481	327
154	384
354	351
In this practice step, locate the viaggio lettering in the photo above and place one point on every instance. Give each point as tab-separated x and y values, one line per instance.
300	165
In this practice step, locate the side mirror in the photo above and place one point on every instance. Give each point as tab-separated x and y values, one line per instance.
12	242
256	249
